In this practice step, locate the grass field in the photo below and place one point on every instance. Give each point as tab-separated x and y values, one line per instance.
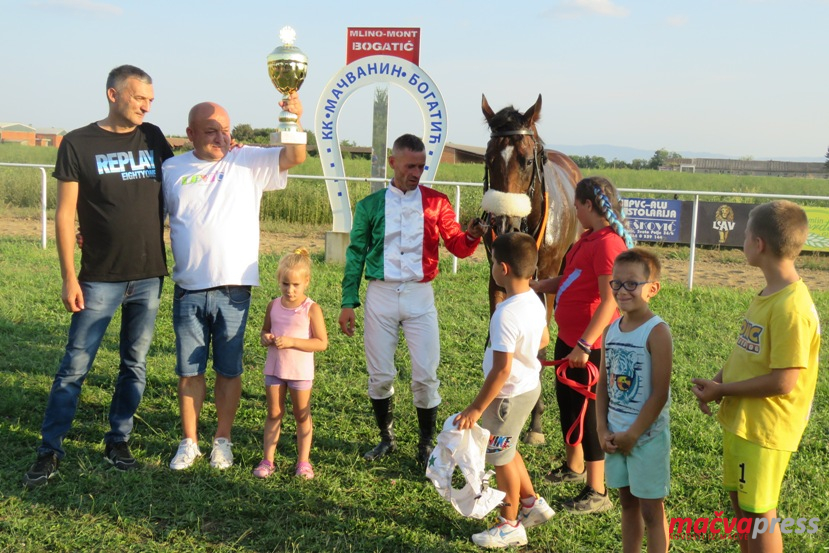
351	505
306	200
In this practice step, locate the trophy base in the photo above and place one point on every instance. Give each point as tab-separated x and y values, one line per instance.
289	137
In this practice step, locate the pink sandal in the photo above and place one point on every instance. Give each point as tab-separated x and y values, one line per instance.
305	470
264	469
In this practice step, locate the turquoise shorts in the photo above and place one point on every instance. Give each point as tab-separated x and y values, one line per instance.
646	471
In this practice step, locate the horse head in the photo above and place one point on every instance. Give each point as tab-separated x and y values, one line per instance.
513	162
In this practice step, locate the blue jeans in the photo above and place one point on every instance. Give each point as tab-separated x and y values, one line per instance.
201	317
139	301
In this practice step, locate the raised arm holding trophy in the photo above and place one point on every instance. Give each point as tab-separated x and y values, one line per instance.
287	67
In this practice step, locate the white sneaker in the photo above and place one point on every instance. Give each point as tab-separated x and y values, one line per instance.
221	457
501	535
536	515
188	452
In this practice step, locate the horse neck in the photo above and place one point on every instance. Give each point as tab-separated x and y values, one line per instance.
539	193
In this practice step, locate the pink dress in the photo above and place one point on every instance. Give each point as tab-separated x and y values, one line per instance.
290	363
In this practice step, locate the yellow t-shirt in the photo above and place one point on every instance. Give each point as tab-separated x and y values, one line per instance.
780	331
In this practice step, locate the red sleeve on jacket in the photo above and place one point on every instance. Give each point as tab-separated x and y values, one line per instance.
439	212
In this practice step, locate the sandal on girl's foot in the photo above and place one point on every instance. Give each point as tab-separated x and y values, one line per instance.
305	470
264	469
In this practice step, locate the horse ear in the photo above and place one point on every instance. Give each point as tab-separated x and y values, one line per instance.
488	113
534	113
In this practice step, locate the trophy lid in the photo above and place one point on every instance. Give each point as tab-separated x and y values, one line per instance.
287	52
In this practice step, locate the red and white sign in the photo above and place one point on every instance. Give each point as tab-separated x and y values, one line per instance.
383	41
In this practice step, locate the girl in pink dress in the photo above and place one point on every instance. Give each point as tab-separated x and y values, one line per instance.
293	330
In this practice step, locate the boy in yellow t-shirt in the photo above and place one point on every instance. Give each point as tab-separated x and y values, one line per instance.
768	382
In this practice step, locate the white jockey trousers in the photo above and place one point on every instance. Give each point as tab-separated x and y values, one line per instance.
410	305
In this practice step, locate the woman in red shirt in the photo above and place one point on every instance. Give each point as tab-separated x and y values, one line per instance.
584	307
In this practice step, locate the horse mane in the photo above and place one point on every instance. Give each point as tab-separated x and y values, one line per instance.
510	119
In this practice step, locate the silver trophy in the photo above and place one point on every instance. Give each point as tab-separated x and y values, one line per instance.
287	67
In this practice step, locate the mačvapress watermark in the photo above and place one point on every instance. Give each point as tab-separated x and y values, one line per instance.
737	528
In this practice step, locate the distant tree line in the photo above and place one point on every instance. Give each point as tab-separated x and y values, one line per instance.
246	134
660	158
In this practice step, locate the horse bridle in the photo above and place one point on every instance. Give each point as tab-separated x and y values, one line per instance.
536	177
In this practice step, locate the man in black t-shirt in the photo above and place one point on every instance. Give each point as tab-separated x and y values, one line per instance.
109	172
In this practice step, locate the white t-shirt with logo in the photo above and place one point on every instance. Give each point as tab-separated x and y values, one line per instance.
214	215
517	327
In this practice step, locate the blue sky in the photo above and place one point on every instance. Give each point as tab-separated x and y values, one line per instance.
732	77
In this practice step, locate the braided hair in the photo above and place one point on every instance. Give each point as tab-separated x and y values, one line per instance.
605	199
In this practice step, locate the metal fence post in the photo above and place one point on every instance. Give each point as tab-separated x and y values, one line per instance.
693	242
458	219
43	206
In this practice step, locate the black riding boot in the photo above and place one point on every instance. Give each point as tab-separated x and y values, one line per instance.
384	415
426	420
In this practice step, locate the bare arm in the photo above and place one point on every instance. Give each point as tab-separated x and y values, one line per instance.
604	313
71	295
319	336
545	338
265	337
292	154
778	382
546	286
501	367
602	401
598	322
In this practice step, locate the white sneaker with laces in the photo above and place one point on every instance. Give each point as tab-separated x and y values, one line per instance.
221	457
188	452
501	535
536	515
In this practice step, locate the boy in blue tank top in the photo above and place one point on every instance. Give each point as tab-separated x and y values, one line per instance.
633	397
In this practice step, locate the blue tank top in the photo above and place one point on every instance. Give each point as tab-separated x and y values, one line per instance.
628	364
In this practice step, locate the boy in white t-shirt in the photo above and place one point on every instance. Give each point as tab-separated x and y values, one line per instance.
518	330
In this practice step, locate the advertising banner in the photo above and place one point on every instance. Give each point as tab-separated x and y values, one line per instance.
383	41
652	220
718	223
818	239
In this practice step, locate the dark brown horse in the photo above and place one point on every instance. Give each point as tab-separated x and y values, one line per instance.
528	189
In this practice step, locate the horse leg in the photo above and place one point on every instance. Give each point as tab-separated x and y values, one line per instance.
535	434
496	294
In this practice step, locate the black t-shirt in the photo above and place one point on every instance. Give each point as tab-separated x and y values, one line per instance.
120	208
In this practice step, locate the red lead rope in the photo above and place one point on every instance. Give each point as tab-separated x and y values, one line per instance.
584	389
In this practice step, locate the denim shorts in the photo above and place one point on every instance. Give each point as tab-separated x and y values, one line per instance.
214	316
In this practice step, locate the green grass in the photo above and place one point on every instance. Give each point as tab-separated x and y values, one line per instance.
306	200
351	505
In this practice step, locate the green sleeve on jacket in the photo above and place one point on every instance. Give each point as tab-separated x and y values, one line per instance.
366	242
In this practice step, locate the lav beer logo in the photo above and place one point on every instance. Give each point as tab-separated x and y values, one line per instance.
724	222
749	338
